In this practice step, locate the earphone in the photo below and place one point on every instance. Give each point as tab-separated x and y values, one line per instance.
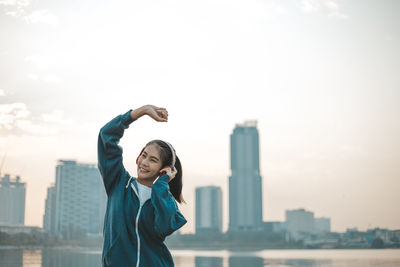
172	166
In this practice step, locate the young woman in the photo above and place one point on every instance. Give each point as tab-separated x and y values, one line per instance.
141	211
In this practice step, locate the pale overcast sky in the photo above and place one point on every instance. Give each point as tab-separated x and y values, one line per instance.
321	77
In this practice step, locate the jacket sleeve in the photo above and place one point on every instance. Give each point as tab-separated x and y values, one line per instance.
167	217
109	153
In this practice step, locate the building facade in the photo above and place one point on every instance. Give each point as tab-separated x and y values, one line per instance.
299	222
78	200
245	186
208	210
322	225
49	218
12	199
274	227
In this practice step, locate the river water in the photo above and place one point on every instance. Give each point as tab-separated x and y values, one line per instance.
220	258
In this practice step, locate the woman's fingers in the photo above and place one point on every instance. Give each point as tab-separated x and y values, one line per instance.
163	114
159	109
158	114
170	172
174	172
160	118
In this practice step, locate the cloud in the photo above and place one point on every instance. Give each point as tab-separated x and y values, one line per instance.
310	6
16	118
15	8
32	76
10	114
49	78
19	9
42	16
332	5
41	62
30	127
19	3
52	78
329	6
7	2
57	116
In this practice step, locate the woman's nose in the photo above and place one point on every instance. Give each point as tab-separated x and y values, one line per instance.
145	162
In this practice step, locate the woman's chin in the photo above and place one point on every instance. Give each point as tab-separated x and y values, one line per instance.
146	177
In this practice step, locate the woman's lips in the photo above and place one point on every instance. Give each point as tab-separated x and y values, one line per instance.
143	170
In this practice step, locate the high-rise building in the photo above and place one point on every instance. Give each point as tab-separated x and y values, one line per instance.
245	188
208	209
80	199
49	218
299	222
322	225
12	199
201	261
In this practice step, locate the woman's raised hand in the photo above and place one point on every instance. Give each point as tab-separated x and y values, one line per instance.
171	172
157	113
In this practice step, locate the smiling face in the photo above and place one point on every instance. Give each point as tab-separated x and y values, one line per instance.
149	163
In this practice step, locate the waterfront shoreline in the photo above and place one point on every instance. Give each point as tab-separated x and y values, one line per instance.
246	249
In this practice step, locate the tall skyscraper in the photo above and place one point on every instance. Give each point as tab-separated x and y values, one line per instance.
12	199
208	209
80	200
245	188
49	218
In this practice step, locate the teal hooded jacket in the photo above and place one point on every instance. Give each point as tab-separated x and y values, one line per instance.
133	235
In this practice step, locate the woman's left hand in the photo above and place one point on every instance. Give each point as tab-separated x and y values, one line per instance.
170	172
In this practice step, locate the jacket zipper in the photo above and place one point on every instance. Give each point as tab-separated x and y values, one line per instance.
137	227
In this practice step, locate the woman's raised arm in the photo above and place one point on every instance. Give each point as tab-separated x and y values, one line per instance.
109	153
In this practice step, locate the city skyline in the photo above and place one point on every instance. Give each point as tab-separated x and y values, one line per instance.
320	77
323	221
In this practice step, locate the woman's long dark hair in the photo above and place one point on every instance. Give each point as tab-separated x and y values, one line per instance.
175	185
